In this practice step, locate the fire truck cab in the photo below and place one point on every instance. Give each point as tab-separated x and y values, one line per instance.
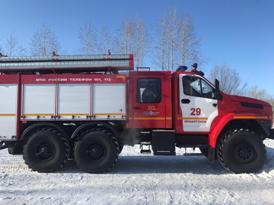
87	108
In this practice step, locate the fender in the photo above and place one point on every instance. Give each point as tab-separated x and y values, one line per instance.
93	124
37	125
221	122
217	128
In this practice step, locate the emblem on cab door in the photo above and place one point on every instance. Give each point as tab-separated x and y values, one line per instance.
151	113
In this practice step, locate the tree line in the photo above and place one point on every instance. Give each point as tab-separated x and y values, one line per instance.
175	44
231	83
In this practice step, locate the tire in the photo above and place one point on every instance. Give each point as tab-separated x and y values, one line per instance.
121	146
16	149
96	151
46	150
204	151
241	151
11	150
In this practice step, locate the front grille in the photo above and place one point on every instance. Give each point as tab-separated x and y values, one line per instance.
252	105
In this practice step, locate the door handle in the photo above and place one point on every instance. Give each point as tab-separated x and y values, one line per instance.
185	101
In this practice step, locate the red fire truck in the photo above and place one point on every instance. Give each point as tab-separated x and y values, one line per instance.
86	108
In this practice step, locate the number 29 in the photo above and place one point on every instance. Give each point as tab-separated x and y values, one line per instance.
195	111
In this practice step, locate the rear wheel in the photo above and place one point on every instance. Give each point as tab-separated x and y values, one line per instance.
121	146
46	150
96	151
241	151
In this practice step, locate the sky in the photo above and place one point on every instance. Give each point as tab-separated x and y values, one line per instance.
238	33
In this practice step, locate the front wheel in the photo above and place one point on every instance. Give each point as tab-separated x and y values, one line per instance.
241	151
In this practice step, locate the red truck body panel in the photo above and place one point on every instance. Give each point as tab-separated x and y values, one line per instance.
150	115
166	114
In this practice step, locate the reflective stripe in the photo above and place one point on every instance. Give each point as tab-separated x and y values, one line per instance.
70	114
150	118
73	114
102	114
252	117
7	115
192	118
38	114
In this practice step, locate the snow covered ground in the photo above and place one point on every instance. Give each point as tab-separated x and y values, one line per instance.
138	179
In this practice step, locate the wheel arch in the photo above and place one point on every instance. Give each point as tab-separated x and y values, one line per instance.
89	125
231	123
36	126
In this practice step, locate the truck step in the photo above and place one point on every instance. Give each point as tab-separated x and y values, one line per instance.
144	151
169	153
193	154
145	148
3	145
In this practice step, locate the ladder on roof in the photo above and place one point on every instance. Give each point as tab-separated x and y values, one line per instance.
67	63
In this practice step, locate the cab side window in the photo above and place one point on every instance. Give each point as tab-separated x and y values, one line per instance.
149	90
192	86
197	87
207	90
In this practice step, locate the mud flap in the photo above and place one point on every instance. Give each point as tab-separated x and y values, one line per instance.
163	142
211	154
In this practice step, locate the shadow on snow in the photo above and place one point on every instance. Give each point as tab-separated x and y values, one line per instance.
169	164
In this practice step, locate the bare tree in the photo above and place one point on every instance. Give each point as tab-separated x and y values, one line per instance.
261	94
188	44
230	81
105	41
140	42
12	46
88	39
125	38
132	38
258	93
178	44
44	42
168	28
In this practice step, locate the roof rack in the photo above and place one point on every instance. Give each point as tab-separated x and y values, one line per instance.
67	63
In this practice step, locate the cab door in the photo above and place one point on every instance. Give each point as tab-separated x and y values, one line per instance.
198	104
150	100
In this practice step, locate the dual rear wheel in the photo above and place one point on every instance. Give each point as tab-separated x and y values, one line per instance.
95	151
46	150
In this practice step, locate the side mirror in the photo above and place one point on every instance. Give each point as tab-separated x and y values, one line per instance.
217	85
218	94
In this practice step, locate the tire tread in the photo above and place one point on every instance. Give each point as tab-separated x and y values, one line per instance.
62	138
112	137
224	139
